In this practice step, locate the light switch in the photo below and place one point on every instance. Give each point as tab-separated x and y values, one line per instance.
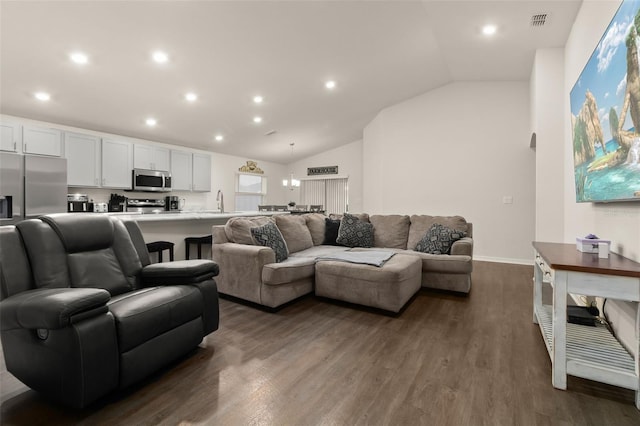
507	199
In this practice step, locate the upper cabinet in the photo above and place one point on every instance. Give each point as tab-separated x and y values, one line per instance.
117	163
181	169
151	157
201	172
190	171
10	137
83	159
41	140
96	161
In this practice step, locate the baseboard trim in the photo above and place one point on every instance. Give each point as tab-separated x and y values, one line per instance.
504	260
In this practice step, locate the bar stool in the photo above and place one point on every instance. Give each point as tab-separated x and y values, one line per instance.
199	241
159	246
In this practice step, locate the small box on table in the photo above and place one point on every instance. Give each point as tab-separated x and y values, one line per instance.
590	245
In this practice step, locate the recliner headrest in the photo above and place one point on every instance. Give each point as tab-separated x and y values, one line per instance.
81	232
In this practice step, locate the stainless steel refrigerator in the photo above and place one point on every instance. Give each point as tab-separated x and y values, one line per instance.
31	186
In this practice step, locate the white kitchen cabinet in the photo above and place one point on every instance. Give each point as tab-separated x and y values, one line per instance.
10	137
151	157
83	159
181	170
201	172
117	163
41	140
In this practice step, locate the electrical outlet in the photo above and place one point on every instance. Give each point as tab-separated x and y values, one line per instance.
507	199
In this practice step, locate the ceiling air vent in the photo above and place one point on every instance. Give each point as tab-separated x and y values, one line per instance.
539	19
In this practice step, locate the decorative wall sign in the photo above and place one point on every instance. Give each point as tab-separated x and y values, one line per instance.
326	170
251	167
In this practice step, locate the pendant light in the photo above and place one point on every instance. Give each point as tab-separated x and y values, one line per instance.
291	182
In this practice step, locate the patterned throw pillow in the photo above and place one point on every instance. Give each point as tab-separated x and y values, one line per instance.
353	232
331	231
269	235
439	239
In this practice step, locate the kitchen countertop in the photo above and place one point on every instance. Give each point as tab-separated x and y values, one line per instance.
188	215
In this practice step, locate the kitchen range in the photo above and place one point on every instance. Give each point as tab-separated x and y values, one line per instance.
145	205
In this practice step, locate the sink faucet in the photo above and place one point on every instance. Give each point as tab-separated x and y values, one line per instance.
220	200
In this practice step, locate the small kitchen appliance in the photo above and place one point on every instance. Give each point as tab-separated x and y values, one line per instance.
172	203
79	203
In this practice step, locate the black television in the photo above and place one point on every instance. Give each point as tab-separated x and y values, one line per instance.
605	113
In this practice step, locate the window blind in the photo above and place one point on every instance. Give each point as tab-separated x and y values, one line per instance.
332	194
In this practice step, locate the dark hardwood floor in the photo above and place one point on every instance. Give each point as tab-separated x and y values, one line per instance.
445	360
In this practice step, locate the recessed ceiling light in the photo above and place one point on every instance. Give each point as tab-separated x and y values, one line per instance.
79	58
257	119
219	138
330	84
258	99
191	97
160	57
151	122
489	30
42	96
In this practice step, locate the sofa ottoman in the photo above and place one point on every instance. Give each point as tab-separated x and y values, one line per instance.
387	287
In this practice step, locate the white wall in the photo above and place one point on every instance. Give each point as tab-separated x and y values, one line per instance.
223	171
458	150
619	222
348	158
547	115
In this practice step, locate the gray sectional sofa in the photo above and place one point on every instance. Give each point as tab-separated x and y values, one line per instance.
250	272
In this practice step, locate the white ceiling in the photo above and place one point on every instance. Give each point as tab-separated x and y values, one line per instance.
378	52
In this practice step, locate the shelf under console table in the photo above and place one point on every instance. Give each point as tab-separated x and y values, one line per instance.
580	350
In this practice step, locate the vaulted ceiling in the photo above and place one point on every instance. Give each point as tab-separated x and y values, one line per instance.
377	52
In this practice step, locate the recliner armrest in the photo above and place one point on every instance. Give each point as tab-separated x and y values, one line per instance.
52	308
179	272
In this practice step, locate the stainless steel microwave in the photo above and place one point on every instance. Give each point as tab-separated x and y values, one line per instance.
150	180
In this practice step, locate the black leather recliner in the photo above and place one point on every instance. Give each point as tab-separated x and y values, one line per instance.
83	312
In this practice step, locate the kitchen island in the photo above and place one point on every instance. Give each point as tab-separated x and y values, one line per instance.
176	226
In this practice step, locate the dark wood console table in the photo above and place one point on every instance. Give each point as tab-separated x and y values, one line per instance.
578	350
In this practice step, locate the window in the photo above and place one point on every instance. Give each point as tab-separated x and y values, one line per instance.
332	194
250	191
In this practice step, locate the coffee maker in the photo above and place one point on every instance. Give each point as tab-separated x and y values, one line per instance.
172	203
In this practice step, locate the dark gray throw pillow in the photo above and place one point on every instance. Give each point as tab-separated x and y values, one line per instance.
439	239
331	231
353	232
269	235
